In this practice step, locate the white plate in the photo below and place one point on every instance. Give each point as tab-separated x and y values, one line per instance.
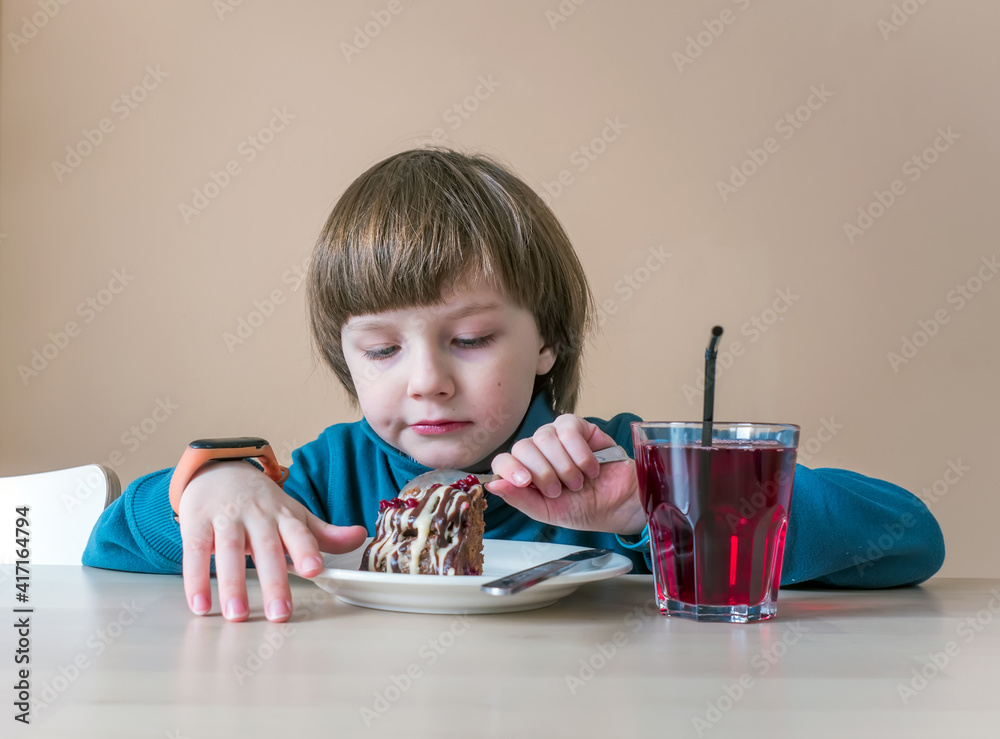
461	593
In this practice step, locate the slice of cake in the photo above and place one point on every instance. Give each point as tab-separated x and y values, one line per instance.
434	531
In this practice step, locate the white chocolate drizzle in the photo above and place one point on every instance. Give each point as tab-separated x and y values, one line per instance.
436	523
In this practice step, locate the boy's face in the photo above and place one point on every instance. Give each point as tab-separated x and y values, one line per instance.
447	384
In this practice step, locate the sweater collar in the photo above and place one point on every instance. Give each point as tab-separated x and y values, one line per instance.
405	467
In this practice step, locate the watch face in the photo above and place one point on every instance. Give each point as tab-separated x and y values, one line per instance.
235	442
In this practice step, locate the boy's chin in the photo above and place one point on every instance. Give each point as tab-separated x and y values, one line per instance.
443	461
444	457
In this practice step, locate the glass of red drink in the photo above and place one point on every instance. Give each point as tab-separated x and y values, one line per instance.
717	515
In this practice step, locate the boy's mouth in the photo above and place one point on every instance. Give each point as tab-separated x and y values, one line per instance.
442	426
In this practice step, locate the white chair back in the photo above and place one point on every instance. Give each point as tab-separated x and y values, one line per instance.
62	508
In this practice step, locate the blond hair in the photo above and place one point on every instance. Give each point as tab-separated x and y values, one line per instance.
413	225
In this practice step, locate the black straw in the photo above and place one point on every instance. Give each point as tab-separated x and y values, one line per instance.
710	354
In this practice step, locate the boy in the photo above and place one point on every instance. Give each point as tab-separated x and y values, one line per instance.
449	302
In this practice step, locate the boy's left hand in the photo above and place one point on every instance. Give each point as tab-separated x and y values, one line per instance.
554	477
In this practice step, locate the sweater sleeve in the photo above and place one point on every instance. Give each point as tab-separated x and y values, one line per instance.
137	532
844	529
851	531
619	428
308	476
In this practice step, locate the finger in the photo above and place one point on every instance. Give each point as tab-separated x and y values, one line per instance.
301	545
579	451
598	439
550	443
591	432
336	539
231	569
197	540
507	466
272	573
542	474
527	500
581	438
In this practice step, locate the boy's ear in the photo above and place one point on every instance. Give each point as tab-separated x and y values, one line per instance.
546	360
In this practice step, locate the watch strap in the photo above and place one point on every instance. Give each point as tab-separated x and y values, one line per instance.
196	457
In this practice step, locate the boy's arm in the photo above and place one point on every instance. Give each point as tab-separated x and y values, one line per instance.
309	476
844	530
851	531
619	428
137	532
848	530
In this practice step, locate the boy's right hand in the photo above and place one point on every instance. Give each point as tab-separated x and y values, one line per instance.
231	509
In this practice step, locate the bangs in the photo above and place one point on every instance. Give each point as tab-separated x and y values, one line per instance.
406	235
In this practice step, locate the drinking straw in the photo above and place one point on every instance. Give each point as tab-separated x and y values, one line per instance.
710	354
705	460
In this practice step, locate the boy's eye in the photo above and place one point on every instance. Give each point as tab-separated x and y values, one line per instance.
383	352
477	343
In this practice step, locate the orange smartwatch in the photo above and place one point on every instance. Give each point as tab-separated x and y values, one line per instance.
202	451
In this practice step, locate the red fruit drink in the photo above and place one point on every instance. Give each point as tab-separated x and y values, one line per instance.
717	548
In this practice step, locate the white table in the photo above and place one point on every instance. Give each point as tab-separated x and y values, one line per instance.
119	655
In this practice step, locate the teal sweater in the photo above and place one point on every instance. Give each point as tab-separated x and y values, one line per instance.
844	529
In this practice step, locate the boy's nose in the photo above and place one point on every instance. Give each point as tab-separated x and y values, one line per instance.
430	377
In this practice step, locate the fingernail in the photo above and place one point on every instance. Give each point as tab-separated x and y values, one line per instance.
235	608
201	605
521	477
576	485
278	609
312	563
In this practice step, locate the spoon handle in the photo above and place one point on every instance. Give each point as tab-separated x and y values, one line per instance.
444	477
611	454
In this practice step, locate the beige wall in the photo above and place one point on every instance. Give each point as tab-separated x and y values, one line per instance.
548	83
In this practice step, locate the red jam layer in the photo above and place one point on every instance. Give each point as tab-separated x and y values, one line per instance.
465	485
